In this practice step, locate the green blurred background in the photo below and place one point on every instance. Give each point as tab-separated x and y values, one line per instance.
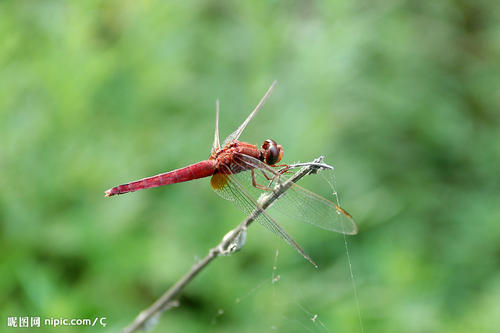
401	96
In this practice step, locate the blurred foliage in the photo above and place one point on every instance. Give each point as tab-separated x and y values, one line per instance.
401	96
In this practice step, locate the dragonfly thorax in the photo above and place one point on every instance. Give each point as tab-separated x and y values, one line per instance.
229	158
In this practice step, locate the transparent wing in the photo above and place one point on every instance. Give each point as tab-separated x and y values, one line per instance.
236	192
216	144
297	202
236	134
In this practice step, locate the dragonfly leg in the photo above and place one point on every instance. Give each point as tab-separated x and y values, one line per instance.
257	185
280	165
285	168
267	177
275	176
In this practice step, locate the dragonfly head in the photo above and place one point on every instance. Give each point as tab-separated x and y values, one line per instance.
273	152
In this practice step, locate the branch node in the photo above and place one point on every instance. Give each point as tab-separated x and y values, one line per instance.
233	241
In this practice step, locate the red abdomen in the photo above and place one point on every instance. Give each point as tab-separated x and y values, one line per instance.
193	171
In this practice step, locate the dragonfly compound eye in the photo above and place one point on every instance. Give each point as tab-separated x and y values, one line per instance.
273	152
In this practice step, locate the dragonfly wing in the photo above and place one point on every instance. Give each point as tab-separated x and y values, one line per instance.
216	145
300	203
236	134
233	190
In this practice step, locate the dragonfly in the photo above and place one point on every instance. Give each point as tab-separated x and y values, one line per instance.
241	172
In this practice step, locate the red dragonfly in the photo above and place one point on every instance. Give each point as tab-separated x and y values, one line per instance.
239	170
